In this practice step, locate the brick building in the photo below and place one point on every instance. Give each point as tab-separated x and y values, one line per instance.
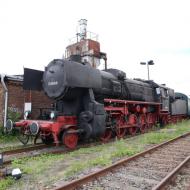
17	97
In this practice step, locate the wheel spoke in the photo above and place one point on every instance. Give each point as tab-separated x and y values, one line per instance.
142	123
150	120
120	127
133	123
132	130
106	136
120	132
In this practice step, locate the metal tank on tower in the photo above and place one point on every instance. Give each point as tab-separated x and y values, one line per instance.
86	48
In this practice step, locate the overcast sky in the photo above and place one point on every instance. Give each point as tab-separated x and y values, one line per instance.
33	32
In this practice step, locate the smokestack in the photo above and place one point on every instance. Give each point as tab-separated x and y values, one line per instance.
83	30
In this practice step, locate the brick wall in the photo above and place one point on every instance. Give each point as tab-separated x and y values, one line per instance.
1	103
17	97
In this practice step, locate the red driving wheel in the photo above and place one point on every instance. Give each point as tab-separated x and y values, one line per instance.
133	122
70	138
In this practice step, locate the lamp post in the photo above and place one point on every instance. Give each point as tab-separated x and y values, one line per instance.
148	63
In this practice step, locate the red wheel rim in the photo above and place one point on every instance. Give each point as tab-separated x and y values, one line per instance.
133	122
132	130
132	119
106	136
165	120
142	121
70	140
143	128
120	132
150	121
120	127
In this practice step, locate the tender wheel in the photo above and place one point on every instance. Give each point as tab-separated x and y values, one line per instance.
106	136
70	138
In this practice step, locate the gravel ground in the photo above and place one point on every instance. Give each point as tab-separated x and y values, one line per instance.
145	172
182	181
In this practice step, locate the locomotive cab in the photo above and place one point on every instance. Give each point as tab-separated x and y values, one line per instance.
165	96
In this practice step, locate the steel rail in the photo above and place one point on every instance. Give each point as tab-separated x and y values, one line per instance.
8	162
25	149
170	176
65	150
78	182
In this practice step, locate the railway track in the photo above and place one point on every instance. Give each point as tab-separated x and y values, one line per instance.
25	149
179	178
41	146
37	150
10	155
151	169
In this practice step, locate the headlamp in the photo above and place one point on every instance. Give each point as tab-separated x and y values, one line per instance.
52	115
26	114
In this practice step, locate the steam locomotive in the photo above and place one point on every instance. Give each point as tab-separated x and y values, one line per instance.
91	104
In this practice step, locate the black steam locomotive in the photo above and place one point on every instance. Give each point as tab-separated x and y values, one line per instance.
90	103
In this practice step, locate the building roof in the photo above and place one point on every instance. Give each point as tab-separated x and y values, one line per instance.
17	78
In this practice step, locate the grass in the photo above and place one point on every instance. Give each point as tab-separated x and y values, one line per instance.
169	132
10	141
42	162
43	167
7	137
6	183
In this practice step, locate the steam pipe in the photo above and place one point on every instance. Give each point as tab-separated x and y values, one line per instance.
104	57
105	63
6	99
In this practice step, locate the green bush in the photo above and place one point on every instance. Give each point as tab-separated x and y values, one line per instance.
1	129
13	115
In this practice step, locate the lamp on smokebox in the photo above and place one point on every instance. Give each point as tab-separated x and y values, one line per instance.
148	63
